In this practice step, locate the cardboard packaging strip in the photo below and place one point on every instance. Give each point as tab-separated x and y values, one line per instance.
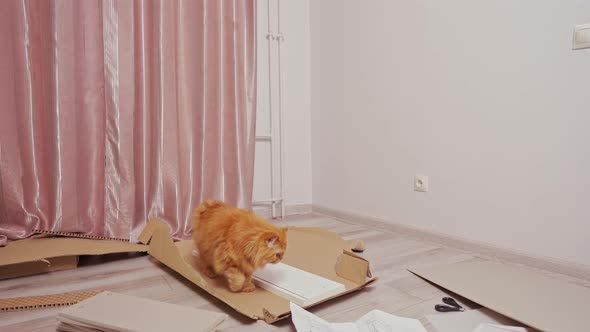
45	301
314	250
533	299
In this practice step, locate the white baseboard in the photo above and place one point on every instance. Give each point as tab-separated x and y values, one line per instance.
290	210
485	249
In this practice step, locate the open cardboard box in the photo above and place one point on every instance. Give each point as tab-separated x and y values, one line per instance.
314	250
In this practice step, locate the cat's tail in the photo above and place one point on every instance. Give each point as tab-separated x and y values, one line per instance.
205	207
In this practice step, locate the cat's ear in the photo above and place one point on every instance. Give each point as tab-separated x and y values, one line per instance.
271	239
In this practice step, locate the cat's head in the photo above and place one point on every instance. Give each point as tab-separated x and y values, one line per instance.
272	246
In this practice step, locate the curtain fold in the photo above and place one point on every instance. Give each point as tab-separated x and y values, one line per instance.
116	111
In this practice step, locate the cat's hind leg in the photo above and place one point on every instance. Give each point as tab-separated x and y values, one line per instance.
202	266
235	279
209	272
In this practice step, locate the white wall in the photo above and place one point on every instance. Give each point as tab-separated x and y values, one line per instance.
295	63
297	100
485	97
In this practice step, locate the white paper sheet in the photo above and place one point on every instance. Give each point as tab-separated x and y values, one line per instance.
480	320
467	321
374	321
499	328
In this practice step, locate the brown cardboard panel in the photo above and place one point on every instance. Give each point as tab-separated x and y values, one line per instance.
41	266
44	301
39	255
29	250
147	232
353	267
538	301
312	249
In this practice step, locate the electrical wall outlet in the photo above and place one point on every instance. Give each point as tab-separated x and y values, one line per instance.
421	183
582	36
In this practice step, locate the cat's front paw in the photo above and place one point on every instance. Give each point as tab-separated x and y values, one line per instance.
248	287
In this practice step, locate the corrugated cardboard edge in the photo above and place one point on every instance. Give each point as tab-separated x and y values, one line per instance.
270	317
45	301
77	235
163	249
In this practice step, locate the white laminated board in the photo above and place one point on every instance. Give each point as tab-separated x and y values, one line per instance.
498	328
531	298
298	286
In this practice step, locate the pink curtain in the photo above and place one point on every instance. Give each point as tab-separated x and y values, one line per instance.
114	111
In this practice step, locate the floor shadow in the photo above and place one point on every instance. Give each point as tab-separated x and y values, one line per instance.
90	260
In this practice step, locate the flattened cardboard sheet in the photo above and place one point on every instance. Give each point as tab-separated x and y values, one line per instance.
29	250
39	255
535	300
110	311
44	301
311	249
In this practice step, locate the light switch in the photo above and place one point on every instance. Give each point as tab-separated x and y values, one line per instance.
582	36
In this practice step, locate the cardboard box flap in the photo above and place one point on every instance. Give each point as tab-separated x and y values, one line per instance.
533	299
148	231
325	247
352	267
29	250
50	264
163	248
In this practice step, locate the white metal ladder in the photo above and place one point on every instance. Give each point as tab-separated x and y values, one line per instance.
275	106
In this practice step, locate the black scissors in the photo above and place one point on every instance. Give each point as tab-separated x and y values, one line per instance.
452	305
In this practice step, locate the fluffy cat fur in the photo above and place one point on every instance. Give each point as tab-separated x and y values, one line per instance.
233	243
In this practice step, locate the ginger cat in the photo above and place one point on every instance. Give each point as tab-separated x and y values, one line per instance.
234	243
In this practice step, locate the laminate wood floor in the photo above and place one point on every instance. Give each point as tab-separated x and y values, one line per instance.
397	291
